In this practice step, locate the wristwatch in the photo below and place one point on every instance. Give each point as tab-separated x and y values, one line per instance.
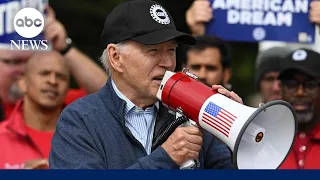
69	46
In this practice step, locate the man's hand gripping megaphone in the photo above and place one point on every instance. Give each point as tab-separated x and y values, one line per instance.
182	121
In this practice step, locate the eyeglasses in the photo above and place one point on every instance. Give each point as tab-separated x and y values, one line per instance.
310	86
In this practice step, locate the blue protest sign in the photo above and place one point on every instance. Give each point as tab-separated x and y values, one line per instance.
8	11
258	20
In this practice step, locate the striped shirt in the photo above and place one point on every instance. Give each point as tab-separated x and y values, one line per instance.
140	122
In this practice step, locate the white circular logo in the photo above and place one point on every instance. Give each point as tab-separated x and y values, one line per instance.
299	55
159	14
259	33
28	22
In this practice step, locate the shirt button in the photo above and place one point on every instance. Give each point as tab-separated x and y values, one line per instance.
301	163
302	135
302	148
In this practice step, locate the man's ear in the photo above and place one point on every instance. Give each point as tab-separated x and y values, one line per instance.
22	84
114	57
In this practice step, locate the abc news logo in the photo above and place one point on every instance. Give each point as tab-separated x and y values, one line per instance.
26	22
29	23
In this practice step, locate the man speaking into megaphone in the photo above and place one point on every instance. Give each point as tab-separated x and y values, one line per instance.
116	127
260	138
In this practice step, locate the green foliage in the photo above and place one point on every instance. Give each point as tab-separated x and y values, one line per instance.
84	20
243	62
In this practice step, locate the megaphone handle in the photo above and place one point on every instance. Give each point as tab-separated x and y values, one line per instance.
188	164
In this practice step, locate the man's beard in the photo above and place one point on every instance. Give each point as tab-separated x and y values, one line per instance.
304	117
14	93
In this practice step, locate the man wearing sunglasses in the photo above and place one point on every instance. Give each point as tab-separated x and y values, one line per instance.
300	85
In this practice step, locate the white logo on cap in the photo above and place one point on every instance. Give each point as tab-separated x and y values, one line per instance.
159	14
259	33
299	55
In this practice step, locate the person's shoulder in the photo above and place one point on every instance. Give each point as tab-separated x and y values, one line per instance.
74	94
85	104
87	109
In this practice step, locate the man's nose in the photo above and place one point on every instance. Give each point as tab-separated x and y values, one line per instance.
167	61
300	90
52	79
276	85
202	74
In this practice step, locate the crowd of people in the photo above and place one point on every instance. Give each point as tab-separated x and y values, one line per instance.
112	121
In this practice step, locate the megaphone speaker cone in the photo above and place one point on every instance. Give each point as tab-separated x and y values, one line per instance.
272	146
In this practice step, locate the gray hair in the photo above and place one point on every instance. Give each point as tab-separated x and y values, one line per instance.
104	58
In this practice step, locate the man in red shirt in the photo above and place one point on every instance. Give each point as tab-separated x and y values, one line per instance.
89	76
26	135
301	88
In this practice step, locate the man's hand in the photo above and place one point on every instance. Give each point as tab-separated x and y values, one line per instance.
37	164
197	15
314	14
183	144
232	95
54	31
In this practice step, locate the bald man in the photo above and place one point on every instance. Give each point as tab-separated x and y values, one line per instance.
26	136
88	75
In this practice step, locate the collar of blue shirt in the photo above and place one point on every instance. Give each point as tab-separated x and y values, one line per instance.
140	122
131	107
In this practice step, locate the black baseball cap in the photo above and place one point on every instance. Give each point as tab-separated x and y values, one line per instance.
144	21
304	60
268	61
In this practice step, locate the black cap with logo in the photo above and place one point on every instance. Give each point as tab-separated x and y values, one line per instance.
304	60
143	21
